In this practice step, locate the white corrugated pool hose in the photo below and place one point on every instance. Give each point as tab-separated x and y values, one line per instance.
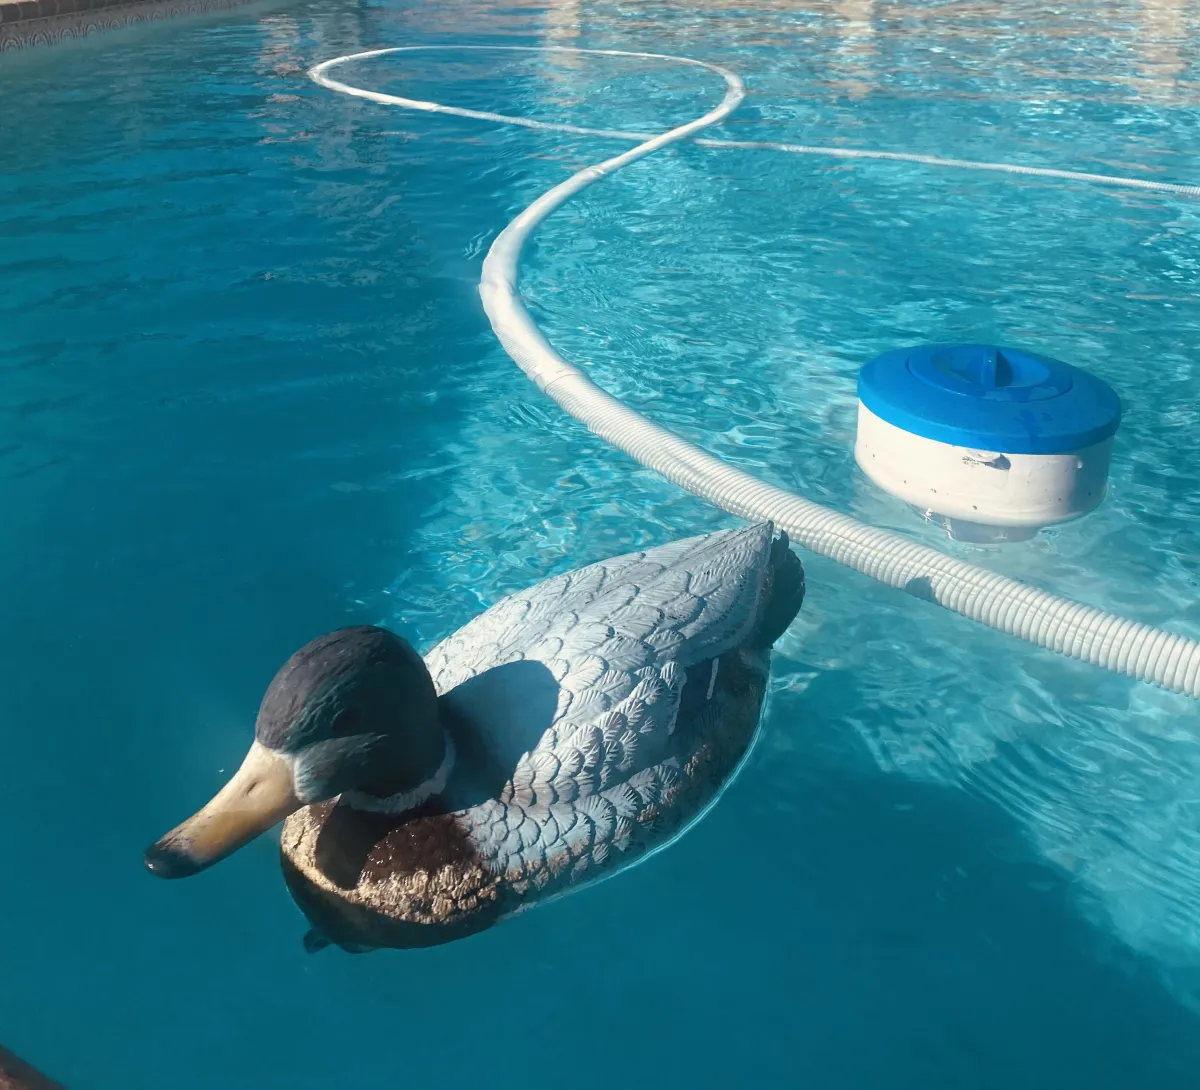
1126	647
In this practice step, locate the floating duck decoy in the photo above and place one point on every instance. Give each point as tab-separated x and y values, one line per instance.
559	737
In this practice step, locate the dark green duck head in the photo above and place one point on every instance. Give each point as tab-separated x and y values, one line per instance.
354	710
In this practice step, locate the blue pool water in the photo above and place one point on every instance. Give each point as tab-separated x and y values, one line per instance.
248	394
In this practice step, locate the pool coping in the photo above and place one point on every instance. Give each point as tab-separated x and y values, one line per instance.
28	23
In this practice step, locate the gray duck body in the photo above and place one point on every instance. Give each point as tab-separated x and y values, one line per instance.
593	717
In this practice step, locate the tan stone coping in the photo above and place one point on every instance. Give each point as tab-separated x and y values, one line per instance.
26	23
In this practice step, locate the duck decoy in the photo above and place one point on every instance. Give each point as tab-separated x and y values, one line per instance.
564	734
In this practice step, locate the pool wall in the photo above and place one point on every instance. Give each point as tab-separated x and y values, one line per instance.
46	22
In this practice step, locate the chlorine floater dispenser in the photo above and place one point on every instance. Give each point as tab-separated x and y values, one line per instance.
994	443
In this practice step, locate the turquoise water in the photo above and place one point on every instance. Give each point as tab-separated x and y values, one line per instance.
247	394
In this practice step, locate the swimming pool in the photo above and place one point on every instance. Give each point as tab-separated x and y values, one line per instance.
250	395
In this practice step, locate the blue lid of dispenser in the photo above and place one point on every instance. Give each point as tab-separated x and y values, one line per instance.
990	398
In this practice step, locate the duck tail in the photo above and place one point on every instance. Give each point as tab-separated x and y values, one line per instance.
783	594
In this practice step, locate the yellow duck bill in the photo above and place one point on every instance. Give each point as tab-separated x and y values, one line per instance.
260	794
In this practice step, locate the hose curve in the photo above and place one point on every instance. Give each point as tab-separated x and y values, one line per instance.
1070	628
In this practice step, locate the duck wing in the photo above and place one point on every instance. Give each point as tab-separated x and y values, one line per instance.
618	638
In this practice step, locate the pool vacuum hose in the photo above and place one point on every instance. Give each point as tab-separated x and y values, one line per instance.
1123	646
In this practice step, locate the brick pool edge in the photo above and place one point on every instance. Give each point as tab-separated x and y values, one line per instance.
25	23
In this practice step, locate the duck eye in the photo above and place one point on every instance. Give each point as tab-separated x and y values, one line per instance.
346	720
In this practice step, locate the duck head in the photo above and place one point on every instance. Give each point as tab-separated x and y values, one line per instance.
355	710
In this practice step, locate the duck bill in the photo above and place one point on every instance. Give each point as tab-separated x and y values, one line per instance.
260	795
